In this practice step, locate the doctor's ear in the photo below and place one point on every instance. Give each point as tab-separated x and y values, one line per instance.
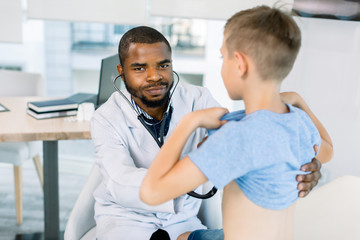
120	70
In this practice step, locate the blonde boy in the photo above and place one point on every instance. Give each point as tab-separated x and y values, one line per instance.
256	158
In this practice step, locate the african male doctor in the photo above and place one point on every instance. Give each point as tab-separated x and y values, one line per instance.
127	131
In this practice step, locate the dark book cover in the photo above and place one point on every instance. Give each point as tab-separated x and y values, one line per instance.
51	114
68	103
52	105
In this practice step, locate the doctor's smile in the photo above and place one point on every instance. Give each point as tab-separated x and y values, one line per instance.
157	89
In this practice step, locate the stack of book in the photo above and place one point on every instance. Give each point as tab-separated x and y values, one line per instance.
59	107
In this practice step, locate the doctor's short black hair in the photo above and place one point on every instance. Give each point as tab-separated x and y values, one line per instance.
142	34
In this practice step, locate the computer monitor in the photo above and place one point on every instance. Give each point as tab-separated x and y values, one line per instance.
108	72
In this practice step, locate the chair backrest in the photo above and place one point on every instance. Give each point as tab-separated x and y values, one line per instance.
108	72
210	209
15	83
81	219
331	212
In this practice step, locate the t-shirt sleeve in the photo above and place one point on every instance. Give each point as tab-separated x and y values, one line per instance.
224	156
316	138
313	132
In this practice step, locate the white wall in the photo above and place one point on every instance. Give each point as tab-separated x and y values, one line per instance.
30	54
212	71
327	75
209	9
86	81
106	11
11	21
58	58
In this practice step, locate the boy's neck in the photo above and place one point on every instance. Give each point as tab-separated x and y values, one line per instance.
265	95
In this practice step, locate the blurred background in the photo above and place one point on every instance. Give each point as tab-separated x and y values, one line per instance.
66	40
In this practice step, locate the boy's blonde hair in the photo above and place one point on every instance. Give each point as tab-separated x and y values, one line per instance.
268	36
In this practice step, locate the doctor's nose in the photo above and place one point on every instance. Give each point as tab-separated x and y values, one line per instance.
153	75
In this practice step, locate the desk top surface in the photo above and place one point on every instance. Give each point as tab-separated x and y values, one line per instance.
16	125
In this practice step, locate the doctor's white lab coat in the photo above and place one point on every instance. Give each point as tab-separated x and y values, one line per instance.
124	152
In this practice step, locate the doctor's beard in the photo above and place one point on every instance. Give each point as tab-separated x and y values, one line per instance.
150	103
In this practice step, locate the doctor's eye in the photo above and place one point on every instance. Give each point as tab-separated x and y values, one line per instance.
138	69
163	66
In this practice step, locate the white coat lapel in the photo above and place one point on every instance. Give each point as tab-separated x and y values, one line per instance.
142	137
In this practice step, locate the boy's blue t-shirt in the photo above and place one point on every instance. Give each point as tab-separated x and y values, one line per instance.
262	151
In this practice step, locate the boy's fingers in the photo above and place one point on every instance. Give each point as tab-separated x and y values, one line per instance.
222	122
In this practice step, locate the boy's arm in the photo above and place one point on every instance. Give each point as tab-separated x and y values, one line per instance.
326	151
308	181
168	178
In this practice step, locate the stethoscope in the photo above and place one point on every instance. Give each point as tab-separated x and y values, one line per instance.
160	140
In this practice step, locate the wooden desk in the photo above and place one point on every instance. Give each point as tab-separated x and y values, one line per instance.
17	126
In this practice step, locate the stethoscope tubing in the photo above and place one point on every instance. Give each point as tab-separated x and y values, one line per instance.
160	141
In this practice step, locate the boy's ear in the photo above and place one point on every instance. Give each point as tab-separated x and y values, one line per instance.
242	64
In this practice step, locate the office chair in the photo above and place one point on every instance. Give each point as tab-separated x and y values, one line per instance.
14	83
81	223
